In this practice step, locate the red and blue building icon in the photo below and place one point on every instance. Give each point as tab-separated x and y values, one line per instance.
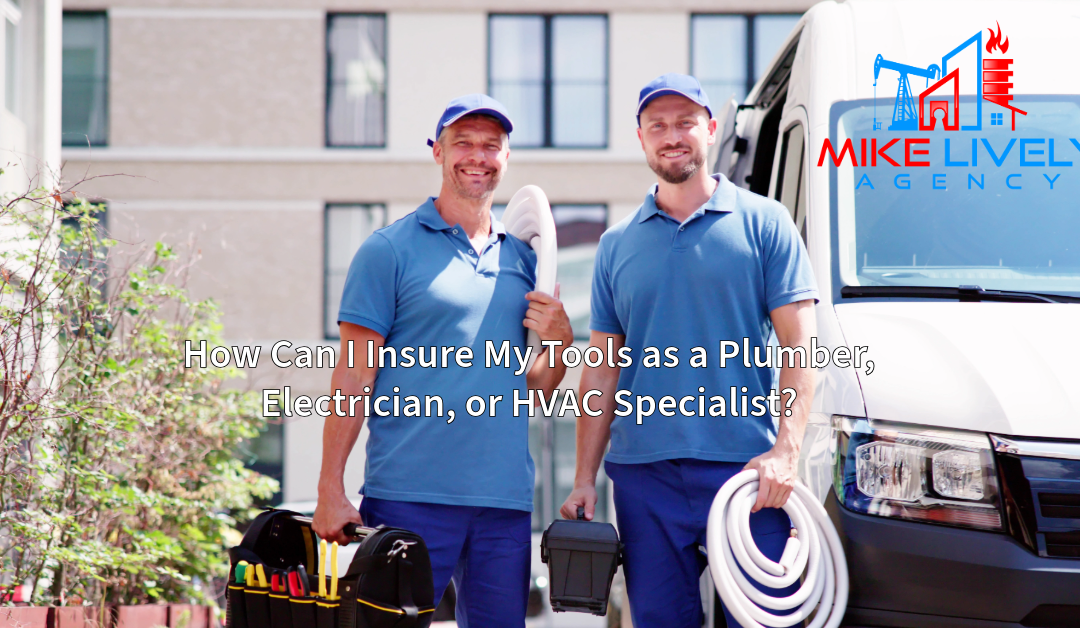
941	101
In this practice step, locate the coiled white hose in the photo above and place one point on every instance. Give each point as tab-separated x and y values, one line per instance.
528	218
814	547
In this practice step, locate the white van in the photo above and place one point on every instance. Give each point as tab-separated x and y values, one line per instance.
952	468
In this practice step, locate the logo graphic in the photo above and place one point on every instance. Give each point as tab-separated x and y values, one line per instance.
993	84
948	159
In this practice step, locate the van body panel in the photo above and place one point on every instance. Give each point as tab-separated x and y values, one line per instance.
838	390
1006	368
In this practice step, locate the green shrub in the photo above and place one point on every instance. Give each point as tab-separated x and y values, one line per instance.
118	475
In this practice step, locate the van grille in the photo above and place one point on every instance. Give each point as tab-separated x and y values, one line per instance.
1059	505
1041	491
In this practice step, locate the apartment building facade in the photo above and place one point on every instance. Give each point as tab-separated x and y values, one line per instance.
272	138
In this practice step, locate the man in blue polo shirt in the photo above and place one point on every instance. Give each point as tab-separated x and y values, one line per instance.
701	261
447	275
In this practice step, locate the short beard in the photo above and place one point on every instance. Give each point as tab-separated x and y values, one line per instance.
469	192
679	175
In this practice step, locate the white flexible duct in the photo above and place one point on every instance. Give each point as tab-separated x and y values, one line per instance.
814	547
528	217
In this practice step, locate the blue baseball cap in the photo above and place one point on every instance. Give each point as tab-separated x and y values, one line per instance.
673	84
470	104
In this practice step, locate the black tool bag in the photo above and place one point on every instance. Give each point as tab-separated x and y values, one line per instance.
582	557
389	582
277	539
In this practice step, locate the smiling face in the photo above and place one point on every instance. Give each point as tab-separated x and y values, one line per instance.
676	134
473	152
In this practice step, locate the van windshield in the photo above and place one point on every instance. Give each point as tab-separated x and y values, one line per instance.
994	208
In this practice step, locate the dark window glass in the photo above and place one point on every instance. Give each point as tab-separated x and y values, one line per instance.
265	454
78	256
347	226
790	190
85	79
356	80
787	179
551	73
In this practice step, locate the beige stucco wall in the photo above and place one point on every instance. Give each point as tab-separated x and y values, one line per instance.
638	64
432	58
212	81
262	265
411	181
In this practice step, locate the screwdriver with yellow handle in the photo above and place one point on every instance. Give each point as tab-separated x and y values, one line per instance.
322	568
260	573
333	571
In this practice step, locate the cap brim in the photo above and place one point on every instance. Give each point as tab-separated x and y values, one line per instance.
669	91
507	125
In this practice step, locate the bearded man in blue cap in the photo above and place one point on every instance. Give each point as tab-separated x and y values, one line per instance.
701	261
447	275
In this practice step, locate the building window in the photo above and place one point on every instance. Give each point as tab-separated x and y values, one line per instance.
790	190
356	80
265	454
347	226
86	79
729	53
551	72
88	260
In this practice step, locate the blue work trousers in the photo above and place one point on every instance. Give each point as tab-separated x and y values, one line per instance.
487	551
662	510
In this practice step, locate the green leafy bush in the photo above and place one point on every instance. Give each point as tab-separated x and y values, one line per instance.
118	475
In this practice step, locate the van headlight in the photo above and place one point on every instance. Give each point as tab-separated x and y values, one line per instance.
912	472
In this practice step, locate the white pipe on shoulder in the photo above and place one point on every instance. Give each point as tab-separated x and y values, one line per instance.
528	217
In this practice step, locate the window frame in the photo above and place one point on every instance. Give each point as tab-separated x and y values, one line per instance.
783	160
548	82
105	84
327	207
750	41
328	85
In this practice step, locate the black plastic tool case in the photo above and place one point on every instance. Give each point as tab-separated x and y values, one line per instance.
582	557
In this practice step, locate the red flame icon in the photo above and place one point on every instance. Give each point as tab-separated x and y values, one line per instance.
996	41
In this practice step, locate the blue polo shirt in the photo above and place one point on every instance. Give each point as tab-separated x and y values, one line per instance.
420	283
715	277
